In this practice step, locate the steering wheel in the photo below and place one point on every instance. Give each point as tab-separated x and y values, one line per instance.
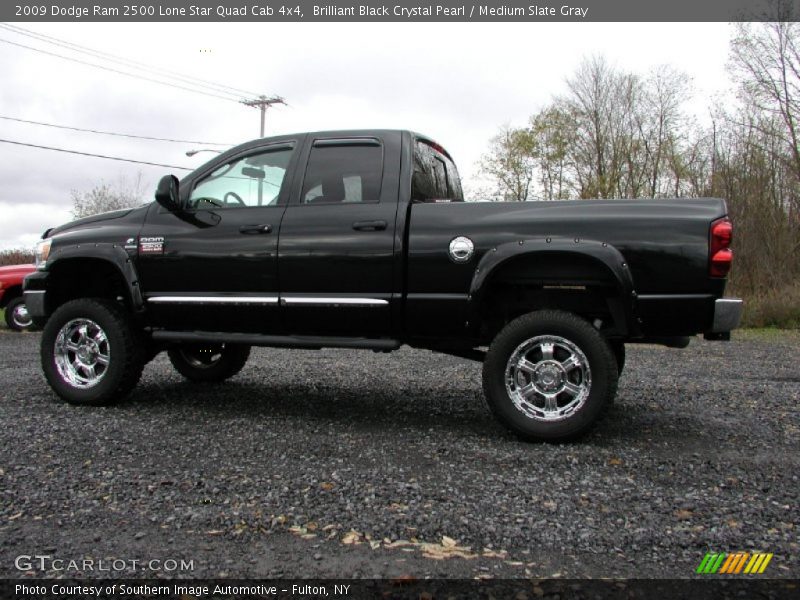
235	197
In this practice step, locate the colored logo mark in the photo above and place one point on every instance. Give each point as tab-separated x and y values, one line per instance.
734	563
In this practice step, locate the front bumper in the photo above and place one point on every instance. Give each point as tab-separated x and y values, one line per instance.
34	288
727	314
35	303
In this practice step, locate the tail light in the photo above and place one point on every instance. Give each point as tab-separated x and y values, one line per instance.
720	255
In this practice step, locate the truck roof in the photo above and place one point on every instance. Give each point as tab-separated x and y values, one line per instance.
344	133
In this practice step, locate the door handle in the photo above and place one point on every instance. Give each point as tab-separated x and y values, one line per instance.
369	225
255	229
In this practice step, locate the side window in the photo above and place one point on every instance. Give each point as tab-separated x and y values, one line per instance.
254	180
454	183
344	173
423	180
440	175
435	176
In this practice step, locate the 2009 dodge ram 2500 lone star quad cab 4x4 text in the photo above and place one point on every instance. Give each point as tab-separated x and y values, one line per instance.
361	239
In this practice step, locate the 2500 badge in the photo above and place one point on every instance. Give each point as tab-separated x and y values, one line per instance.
151	245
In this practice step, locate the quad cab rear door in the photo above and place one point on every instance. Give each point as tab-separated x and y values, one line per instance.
339	258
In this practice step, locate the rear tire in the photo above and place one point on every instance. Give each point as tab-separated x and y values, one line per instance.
17	317
91	353
549	375
208	363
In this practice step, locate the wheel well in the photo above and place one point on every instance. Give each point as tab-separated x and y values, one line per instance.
15	291
565	281
75	278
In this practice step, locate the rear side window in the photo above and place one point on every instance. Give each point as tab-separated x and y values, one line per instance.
343	173
435	176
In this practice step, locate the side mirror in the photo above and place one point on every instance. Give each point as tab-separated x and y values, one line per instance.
167	193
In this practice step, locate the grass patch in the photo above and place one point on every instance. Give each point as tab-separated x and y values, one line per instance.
765	334
777	309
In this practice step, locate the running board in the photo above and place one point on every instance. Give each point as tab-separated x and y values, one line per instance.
279	341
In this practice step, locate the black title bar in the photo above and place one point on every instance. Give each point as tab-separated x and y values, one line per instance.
377	11
397	589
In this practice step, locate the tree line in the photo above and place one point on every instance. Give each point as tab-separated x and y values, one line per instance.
618	134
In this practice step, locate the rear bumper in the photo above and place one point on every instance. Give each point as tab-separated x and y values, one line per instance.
727	314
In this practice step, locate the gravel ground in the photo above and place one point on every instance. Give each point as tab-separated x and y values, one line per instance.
344	463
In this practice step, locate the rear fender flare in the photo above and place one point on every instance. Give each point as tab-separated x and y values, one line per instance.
601	252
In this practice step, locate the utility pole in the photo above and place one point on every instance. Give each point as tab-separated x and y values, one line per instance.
263	103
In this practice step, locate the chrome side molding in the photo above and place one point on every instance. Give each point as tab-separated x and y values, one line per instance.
213	300
332	301
271	300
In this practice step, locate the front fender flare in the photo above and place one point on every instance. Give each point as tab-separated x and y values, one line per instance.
111	253
602	252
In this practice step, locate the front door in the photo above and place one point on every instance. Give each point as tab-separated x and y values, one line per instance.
213	266
337	247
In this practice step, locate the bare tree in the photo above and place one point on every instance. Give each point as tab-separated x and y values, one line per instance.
588	103
105	197
510	162
765	57
16	256
614	135
662	127
551	129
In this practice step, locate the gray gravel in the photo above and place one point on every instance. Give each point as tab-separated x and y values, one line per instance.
269	474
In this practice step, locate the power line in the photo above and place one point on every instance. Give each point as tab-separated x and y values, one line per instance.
83	62
130	160
195	81
126	135
261	101
125	61
264	103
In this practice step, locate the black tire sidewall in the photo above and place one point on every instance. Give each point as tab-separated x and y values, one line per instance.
105	392
619	355
570	327
9	315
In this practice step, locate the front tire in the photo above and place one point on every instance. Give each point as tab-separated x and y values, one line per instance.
549	375
17	317
619	353
208	363
91	353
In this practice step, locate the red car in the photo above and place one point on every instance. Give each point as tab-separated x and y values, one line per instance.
11	299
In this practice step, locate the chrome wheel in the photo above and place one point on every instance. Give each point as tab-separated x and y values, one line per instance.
201	357
548	378
82	353
20	316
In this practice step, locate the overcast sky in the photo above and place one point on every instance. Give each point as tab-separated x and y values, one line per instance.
455	82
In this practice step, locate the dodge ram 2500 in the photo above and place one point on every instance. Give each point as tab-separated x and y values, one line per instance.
361	239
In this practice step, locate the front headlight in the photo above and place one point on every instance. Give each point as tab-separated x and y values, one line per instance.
42	252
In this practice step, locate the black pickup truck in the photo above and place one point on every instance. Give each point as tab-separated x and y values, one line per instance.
361	239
